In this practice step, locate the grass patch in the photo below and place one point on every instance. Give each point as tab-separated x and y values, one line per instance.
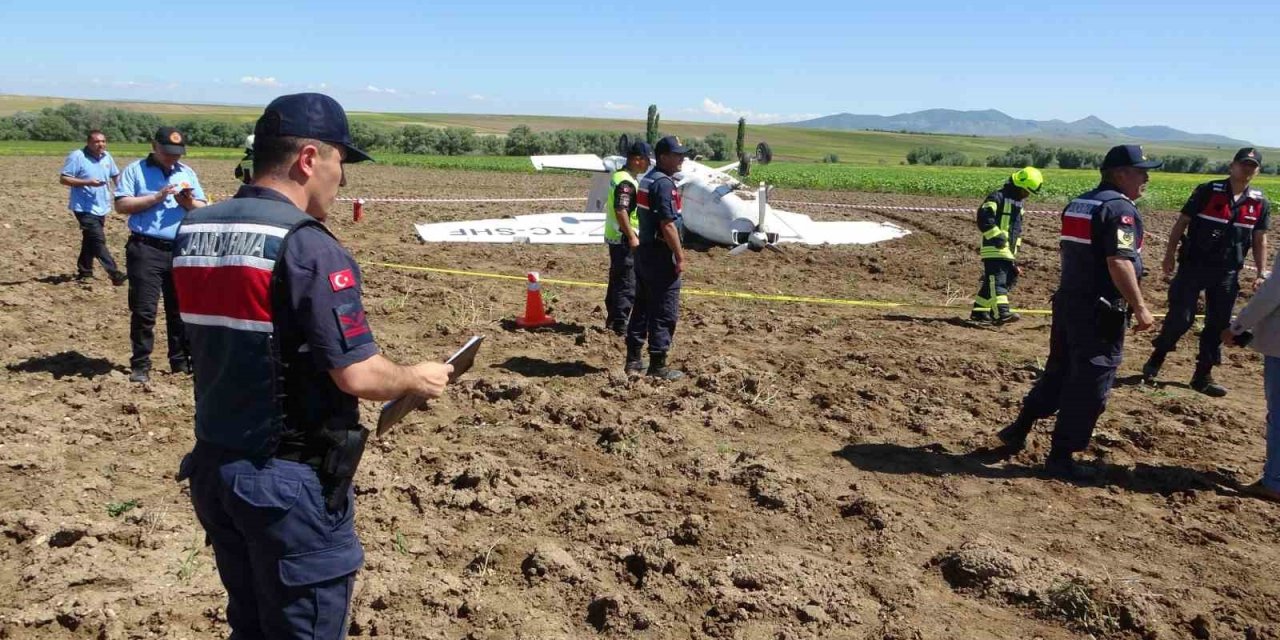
117	509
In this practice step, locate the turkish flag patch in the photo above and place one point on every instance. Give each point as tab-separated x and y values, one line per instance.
340	280
1123	220
353	326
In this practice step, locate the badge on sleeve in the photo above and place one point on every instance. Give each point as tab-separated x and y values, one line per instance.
339	280
1124	238
1126	220
353	325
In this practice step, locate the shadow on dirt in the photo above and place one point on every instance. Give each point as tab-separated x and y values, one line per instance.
61	278
562	328
538	368
935	460
67	363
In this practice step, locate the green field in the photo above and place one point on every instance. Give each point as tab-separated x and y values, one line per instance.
863	148
1167	191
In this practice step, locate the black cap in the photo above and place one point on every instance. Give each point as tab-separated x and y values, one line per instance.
1129	155
670	144
308	115
640	148
171	141
1249	154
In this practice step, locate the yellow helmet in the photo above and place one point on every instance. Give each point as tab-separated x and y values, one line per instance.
1028	178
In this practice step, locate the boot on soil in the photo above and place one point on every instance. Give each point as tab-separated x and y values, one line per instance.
1152	368
140	375
658	368
1006	316
634	365
1013	438
981	316
1203	382
119	278
1062	465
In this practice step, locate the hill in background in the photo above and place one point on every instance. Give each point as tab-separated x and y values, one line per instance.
991	122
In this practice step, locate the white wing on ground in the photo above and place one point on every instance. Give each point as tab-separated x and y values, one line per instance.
540	228
800	228
579	162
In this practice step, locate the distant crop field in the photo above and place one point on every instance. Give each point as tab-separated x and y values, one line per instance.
793	144
1168	191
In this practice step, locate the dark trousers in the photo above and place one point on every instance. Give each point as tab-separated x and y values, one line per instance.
287	562
621	294
998	279
1221	286
150	265
93	244
1077	377
657	307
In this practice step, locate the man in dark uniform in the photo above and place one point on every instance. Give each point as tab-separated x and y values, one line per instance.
1101	249
282	352
659	263
1000	221
1220	223
620	226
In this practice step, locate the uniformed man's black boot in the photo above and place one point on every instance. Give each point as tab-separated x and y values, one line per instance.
1152	368
1203	382
1014	436
1062	465
658	367
634	364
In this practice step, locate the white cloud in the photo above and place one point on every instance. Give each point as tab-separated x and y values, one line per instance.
717	108
613	106
723	111
255	81
475	96
373	89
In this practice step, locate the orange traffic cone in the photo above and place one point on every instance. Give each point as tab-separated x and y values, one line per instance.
534	316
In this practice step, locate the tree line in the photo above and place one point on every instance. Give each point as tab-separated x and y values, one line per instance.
72	121
1037	155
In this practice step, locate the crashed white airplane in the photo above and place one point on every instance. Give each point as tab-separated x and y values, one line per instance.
716	207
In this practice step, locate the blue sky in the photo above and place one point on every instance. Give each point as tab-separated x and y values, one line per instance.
1188	66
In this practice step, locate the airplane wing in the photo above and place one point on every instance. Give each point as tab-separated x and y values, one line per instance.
801	229
577	162
540	228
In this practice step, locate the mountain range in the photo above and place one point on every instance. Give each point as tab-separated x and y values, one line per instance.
994	123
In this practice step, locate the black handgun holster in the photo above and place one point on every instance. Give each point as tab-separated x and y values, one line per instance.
346	447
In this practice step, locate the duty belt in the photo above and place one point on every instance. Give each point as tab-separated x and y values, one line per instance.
166	245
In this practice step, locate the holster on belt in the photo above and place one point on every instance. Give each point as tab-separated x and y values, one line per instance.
346	447
1113	318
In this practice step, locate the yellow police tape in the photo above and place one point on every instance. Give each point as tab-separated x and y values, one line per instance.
737	295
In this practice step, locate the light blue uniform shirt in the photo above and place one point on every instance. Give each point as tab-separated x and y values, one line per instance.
95	200
145	177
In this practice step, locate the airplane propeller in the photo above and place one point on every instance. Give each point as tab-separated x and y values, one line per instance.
759	239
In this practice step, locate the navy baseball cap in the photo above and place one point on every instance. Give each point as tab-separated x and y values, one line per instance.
308	115
640	148
671	144
1249	154
1129	155
171	141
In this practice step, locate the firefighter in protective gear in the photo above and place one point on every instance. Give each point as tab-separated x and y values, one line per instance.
1000	221
621	225
244	170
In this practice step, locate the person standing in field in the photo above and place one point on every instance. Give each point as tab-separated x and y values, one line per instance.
1000	222
90	174
1098	294
621	226
156	192
1220	223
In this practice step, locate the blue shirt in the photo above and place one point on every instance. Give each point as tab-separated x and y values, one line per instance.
145	177
94	200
